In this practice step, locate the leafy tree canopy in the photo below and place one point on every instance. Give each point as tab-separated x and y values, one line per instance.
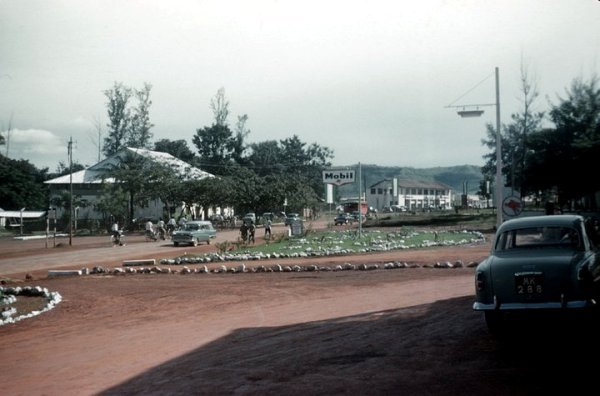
22	185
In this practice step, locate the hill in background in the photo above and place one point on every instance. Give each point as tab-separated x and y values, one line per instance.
454	176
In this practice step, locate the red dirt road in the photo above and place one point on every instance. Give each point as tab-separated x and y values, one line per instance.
401	331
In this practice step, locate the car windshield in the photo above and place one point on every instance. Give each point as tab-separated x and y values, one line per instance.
539	237
191	227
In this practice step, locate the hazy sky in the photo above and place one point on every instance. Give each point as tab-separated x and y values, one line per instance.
368	79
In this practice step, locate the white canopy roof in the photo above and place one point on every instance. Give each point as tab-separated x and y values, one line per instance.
95	173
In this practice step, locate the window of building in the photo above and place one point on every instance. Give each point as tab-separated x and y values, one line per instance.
373	191
380	191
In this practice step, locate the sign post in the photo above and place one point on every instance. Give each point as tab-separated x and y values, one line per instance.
512	206
346	176
338	177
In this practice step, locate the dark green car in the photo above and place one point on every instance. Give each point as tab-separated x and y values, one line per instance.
537	263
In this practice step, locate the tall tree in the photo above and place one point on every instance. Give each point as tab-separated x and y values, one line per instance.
128	127
266	158
220	107
241	133
119	118
577	121
523	124
218	146
306	161
140	125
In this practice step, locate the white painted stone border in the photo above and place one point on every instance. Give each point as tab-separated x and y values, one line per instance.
52	298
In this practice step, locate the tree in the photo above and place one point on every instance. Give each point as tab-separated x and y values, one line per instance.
127	127
577	121
177	148
141	178
119	118
559	156
266	158
220	107
140	134
515	150
22	185
218	146
241	133
112	204
307	162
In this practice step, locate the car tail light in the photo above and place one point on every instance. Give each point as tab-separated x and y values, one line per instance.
479	281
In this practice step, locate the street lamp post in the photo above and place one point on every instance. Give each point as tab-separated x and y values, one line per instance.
476	113
499	183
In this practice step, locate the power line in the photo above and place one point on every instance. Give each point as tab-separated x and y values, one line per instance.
470	90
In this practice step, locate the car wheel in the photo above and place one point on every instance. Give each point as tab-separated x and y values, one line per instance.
195	242
494	321
175	244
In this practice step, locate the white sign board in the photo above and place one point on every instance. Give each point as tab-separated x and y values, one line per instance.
338	177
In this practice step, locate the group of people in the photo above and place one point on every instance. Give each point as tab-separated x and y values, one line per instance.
248	231
163	231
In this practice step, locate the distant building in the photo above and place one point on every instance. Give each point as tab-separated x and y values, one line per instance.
88	184
409	194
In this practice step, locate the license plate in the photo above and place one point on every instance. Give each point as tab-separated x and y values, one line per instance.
529	283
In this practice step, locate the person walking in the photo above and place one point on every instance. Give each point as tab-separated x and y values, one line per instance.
251	230
268	228
244	232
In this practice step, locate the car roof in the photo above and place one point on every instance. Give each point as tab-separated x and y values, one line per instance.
542	221
198	222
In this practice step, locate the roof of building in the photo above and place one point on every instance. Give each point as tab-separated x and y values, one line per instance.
408	183
24	214
96	173
405	183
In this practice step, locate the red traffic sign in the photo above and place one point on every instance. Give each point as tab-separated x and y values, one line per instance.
512	206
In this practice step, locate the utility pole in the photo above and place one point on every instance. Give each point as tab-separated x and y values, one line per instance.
70	151
359	201
499	181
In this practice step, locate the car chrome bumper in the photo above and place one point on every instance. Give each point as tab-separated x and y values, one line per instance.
575	304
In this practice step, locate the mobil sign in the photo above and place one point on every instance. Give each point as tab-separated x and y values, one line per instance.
339	177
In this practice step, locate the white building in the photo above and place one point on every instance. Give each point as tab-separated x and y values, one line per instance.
410	194
88	183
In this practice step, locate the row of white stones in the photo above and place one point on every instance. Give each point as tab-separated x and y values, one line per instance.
242	268
10	296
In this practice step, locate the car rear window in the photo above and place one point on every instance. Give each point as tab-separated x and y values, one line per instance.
539	237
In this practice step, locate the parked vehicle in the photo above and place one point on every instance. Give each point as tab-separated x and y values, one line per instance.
267	216
291	217
343	218
193	233
249	217
537	263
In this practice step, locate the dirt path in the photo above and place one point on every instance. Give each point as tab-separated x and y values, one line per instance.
402	331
